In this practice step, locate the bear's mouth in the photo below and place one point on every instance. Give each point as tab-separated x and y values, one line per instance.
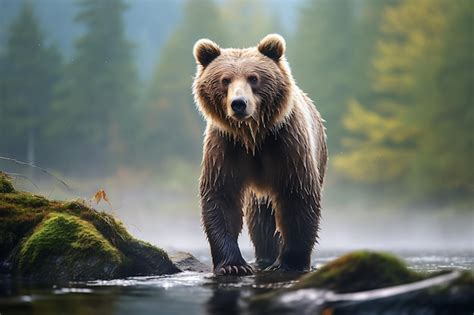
240	117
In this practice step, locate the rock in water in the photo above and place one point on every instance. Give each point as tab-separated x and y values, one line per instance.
366	282
52	240
359	271
187	262
68	247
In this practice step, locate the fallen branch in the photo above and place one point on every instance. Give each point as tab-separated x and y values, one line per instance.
37	167
21	176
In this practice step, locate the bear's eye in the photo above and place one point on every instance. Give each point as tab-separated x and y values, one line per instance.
253	79
225	81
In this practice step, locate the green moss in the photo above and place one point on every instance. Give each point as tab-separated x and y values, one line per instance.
56	240
70	248
5	184
24	200
359	271
144	259
76	206
20	212
107	225
13	228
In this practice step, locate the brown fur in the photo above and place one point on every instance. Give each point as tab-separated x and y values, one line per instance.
270	165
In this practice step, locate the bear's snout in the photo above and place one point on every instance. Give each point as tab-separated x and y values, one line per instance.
240	102
239	106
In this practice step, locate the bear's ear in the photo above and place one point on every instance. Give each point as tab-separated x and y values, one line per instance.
205	51
272	46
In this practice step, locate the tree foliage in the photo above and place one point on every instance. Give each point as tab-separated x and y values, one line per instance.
29	71
413	130
173	127
97	95
246	22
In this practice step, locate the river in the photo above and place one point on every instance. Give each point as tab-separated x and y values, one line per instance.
183	293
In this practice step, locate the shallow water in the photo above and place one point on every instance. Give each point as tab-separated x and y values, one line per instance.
184	293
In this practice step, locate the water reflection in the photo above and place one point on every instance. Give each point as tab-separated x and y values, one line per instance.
184	293
230	294
224	302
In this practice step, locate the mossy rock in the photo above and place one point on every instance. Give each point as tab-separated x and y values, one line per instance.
68	247
54	240
145	259
5	184
359	271
337	285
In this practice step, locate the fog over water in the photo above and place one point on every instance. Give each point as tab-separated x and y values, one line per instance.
171	220
339	230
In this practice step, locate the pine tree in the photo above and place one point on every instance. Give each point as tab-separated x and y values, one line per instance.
173	128
98	94
29	71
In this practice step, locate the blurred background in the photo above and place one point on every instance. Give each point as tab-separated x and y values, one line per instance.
99	93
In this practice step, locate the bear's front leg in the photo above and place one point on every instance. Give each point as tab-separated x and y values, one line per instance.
222	219
297	220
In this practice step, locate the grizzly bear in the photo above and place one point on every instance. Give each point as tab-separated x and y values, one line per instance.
264	157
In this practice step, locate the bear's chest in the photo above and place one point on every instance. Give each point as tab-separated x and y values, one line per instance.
264	167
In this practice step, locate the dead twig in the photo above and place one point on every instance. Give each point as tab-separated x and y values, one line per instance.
37	167
21	176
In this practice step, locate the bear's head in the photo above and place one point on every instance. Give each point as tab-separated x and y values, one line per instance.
243	92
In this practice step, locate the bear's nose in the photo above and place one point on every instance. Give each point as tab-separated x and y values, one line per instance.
239	104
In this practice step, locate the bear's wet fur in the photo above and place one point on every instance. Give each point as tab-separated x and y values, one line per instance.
264	156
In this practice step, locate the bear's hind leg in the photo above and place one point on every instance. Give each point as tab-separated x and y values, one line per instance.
297	219
262	229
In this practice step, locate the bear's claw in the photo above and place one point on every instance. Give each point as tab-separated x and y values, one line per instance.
235	270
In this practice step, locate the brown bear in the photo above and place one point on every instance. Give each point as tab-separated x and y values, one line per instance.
264	156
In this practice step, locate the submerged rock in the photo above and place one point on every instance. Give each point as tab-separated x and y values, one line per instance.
359	271
187	262
52	240
364	282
